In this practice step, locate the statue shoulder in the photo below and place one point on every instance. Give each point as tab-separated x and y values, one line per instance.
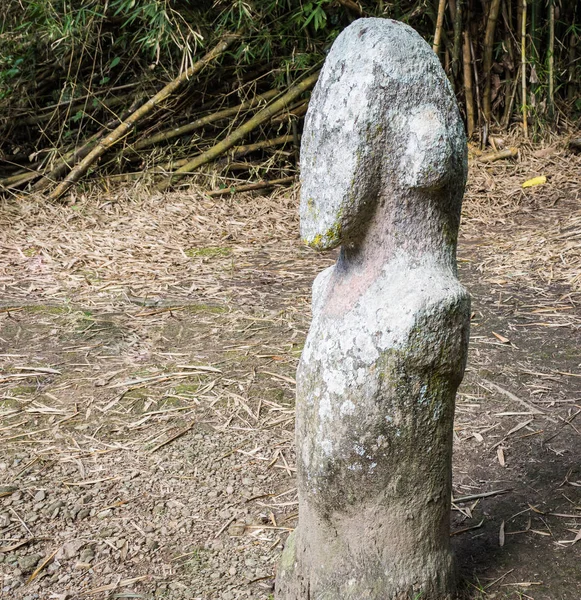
320	286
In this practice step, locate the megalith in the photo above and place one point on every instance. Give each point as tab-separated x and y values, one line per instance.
383	169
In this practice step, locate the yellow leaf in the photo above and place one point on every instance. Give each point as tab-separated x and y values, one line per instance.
535	181
501	338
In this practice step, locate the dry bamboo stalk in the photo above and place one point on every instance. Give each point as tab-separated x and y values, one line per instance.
236	152
124	128
17	180
572	85
70	158
352	6
508	108
551	58
476	86
65	103
523	55
264	115
468	91
241	165
108	103
452	9
67	161
487	60
478	496
297	111
247	187
169	134
456	14
439	25
494	156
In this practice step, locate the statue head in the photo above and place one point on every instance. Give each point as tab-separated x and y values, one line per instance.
382	129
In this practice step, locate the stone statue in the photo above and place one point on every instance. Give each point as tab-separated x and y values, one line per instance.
383	167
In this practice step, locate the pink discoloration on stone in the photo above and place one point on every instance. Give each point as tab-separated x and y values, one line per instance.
345	291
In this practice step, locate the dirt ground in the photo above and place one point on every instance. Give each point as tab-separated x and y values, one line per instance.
149	344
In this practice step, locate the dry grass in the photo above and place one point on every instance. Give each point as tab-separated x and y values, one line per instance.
149	344
532	233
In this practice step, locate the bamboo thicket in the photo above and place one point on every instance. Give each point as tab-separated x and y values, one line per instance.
176	91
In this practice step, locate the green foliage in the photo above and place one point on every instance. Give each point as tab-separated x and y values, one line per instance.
65	59
108	37
10	70
313	11
117	39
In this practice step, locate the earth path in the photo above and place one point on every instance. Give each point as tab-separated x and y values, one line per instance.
148	346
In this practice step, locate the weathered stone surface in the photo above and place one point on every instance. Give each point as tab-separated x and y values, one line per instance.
383	167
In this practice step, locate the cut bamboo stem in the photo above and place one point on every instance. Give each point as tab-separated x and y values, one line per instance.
494	156
551	59
468	91
487	59
239	151
523	55
261	117
439	25
236	152
69	159
125	128
247	187
107	104
169	134
292	113
15	181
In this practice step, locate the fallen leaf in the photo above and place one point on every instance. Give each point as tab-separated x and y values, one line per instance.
15	546
501	338
500	456
7	490
535	181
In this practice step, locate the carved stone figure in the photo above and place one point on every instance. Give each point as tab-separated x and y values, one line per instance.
383	167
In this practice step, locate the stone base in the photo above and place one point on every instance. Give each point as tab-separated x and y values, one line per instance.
311	578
